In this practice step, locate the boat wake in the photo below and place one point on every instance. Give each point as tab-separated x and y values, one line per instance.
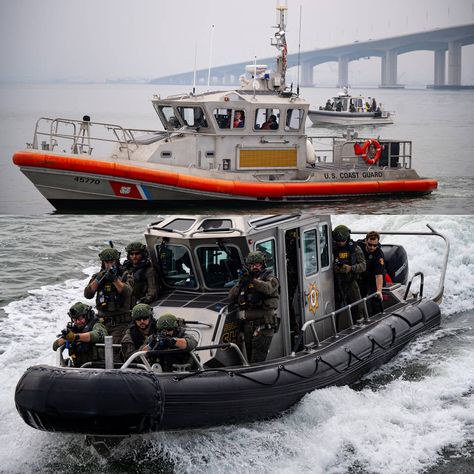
414	412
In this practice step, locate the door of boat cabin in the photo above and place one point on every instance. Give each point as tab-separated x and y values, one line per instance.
315	273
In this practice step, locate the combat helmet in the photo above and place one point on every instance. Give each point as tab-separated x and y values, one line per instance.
135	247
109	254
79	309
142	311
255	257
341	233
167	322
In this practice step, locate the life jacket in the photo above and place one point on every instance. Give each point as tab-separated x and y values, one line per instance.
345	255
108	298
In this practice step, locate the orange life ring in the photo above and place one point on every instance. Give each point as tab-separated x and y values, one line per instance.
366	147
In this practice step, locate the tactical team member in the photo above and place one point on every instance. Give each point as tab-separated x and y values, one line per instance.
142	326
113	294
169	337
257	293
349	263
139	266
81	335
372	280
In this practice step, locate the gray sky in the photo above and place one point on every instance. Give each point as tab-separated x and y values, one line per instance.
99	39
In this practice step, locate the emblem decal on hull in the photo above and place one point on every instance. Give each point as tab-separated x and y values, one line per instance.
128	190
313	297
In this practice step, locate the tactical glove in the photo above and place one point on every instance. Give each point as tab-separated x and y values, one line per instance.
111	274
70	337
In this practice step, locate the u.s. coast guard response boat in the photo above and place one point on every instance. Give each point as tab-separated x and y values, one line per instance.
247	144
197	259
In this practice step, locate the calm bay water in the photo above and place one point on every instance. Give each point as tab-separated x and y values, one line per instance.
415	414
439	123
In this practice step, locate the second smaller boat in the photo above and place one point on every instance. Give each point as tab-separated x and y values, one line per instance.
345	109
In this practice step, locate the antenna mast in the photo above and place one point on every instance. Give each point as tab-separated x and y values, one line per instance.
279	41
210	59
299	55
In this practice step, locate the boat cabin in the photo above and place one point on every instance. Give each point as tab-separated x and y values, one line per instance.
240	130
199	259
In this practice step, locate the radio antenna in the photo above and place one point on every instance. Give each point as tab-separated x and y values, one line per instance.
194	75
299	55
210	58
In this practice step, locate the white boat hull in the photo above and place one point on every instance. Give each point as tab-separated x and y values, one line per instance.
347	118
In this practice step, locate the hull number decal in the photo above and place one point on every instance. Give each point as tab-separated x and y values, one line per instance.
313	298
81	179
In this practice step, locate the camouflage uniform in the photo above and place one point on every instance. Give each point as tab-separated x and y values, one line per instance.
135	338
258	297
113	307
143	280
168	322
82	352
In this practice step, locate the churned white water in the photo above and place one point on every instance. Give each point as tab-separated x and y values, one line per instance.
410	415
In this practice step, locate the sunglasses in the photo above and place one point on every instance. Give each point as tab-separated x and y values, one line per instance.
371	245
135	253
78	316
142	319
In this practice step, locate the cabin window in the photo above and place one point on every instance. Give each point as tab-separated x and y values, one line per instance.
169	116
220	265
267	247
222	117
175	264
230	118
310	252
193	116
180	224
211	224
324	245
267	119
294	119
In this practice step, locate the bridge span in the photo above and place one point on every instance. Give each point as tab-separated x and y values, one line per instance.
445	43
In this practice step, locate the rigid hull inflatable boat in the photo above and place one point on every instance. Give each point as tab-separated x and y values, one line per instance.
247	144
198	260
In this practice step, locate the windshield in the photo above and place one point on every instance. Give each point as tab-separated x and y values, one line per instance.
176	267
219	265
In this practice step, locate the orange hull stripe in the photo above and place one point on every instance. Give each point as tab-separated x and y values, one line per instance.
223	186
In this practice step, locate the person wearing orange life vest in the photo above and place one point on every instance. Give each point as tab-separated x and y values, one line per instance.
349	263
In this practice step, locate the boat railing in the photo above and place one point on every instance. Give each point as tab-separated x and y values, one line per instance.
77	135
333	318
330	150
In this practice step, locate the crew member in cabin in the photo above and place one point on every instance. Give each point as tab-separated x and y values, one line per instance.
138	265
372	280
173	342
113	291
349	263
81	335
270	124
257	293
143	325
239	120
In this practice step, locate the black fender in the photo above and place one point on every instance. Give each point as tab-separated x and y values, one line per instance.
91	401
